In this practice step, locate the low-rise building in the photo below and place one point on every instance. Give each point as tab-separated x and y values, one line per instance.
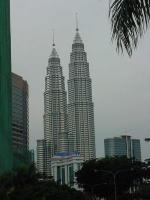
64	166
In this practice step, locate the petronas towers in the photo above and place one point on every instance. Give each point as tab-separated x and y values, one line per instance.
55	110
80	105
69	128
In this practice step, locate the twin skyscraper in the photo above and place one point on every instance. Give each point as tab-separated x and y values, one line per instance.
68	128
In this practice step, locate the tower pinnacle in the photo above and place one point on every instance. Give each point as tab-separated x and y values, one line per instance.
77	38
77	25
53	38
54	53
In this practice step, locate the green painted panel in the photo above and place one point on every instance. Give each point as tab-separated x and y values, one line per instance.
5	88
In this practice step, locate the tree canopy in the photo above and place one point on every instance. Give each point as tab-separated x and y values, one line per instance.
97	176
26	184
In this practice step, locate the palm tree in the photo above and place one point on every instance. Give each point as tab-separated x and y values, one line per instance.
129	21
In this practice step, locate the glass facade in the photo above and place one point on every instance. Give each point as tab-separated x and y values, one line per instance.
136	149
115	147
123	146
5	88
20	121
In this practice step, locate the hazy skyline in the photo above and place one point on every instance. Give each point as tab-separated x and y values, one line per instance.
121	86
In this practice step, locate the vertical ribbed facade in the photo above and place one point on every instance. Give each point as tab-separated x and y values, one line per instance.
55	110
41	164
123	146
5	88
80	105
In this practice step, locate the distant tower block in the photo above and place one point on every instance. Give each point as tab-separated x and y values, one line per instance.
41	156
20	114
123	146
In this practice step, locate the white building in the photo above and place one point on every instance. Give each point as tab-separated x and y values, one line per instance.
63	167
80	105
55	110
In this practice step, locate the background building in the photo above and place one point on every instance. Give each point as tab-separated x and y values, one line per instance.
123	146
20	113
41	156
5	88
55	110
80	105
32	156
20	121
64	166
136	149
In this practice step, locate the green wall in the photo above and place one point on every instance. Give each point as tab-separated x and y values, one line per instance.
5	88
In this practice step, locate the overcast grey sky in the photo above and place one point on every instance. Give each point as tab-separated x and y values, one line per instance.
121	86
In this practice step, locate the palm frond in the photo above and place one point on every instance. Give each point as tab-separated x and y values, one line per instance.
129	21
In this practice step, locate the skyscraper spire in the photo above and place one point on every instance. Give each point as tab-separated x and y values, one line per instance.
77	38
77	25
53	38
54	53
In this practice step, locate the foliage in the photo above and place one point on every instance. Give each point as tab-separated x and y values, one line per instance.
143	193
26	184
129	21
97	176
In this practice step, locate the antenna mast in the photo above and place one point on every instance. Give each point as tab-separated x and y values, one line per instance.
53	38
77	27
